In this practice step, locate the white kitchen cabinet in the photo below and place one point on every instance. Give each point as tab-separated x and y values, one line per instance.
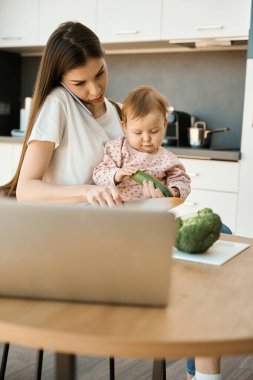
245	204
127	21
19	22
223	203
196	19
5	162
54	12
16	153
9	159
215	185
213	175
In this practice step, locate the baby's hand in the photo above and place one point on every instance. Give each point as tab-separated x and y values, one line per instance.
174	192
124	174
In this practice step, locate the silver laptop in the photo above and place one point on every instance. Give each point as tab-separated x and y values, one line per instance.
78	253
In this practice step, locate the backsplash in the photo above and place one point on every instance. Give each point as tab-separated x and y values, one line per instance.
209	85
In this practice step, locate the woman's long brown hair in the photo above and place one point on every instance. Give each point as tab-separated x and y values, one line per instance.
70	46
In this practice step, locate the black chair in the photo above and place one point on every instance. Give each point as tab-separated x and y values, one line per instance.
38	366
4	360
159	369
39	362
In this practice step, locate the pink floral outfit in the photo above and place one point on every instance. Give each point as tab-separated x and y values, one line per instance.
163	165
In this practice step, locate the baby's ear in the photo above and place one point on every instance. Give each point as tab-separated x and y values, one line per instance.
165	122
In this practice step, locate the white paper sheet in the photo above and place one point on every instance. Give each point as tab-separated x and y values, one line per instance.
220	252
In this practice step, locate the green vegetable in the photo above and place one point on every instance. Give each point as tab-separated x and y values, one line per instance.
141	176
196	233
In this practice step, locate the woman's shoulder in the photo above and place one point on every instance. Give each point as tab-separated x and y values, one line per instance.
58	93
117	107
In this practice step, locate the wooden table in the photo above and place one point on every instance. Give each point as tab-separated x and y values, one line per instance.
210	313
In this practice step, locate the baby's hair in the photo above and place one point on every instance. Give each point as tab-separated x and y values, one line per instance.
143	100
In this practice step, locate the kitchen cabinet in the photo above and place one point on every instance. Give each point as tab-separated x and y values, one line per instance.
245	205
54	12
215	185
19	22
9	159
196	19
5	162
127	21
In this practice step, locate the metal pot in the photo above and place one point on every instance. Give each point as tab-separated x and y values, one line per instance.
200	137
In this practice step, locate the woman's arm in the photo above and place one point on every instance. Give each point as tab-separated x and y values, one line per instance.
31	187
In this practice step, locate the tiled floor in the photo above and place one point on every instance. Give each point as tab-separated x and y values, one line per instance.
21	365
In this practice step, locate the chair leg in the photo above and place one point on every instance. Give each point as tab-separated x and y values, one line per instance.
4	360
38	367
159	370
112	368
164	369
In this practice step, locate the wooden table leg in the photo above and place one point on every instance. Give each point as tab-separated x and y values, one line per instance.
159	370
65	367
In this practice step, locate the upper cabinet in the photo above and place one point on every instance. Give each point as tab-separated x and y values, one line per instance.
54	12
196	19
29	23
127	21
19	22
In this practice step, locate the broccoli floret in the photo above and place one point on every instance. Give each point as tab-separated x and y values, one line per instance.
196	233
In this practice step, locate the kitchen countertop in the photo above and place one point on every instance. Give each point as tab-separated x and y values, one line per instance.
181	152
205	154
10	139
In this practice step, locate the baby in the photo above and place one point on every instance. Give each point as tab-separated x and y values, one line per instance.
144	122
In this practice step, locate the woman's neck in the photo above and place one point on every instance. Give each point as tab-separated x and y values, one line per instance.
98	110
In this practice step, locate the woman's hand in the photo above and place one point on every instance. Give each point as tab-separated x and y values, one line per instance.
104	196
124	174
149	190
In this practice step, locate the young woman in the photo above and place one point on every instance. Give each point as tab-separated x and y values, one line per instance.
70	122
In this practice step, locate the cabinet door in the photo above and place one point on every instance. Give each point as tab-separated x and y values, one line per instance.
213	175
224	204
16	153
19	22
184	19
54	12
126	21
5	162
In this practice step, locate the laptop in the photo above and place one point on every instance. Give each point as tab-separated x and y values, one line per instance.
76	253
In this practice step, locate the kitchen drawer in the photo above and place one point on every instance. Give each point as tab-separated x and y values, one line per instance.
212	175
224	204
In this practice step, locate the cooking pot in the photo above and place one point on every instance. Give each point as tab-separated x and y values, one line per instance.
200	137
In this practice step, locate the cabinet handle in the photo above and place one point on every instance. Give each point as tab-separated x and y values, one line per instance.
11	38
207	27
120	32
192	174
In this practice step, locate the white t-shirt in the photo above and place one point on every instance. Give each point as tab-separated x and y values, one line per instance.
79	138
